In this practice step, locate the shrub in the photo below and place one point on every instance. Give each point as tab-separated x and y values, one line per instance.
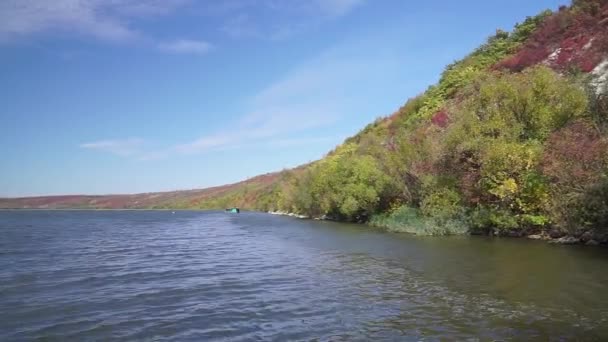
440	119
484	219
348	185
576	161
440	200
575	156
410	220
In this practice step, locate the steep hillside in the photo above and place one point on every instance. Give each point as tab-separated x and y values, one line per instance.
512	140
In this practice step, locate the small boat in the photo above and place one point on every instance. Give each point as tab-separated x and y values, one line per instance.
233	210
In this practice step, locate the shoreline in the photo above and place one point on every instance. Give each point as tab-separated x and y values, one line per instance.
550	237
585	239
284	213
100	209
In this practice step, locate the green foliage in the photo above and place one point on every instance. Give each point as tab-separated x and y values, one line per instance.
462	73
588	6
440	200
508	175
402	220
527	105
348	185
524	30
496	139
486	219
501	128
410	220
593	209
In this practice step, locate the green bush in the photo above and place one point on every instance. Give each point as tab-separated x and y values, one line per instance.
410	220
348	185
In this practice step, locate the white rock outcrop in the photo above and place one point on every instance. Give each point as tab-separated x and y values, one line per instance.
600	77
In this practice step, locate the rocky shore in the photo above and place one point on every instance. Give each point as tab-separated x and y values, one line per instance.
581	238
553	236
303	217
284	213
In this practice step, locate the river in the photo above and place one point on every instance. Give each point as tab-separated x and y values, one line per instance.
206	276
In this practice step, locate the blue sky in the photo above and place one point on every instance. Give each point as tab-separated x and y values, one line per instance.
124	96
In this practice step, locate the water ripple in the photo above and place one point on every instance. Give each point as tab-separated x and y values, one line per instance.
213	276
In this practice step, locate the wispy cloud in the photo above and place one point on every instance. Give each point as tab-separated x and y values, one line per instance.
303	106
186	46
226	141
287	18
116	20
103	19
256	129
338	7
304	100
123	148
313	96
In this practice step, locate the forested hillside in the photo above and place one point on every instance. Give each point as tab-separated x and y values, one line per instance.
512	140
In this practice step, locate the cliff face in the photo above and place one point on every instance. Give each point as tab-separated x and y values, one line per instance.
512	140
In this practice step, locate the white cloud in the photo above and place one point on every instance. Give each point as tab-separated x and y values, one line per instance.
262	128
115	20
285	18
123	148
306	102
313	96
103	19
214	141
338	7
186	46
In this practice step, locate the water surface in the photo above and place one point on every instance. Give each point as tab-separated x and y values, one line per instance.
194	276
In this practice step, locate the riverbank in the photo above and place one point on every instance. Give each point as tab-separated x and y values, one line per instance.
586	238
284	213
556	236
553	236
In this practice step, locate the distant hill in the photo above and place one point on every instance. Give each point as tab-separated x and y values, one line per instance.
153	200
512	140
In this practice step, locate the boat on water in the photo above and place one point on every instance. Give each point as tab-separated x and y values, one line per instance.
233	210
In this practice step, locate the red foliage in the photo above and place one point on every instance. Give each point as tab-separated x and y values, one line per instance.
426	139
525	58
578	38
441	119
468	184
539	46
394	116
575	156
569	48
588	63
392	125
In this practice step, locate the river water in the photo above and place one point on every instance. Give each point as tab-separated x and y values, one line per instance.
205	276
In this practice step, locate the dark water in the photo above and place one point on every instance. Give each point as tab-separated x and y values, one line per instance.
142	276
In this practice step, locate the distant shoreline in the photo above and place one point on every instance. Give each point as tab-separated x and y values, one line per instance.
100	209
566	239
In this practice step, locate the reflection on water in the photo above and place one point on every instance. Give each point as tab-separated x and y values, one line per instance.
206	276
